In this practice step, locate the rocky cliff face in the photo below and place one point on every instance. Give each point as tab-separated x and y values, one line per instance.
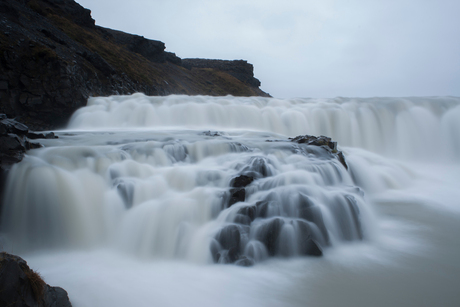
53	57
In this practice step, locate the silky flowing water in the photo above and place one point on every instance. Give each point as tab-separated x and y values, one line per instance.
131	205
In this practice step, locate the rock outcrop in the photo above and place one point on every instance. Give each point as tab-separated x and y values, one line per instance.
239	69
53	57
15	140
255	229
21	286
322	141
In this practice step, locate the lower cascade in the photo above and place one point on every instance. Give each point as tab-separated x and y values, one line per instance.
236	197
239	194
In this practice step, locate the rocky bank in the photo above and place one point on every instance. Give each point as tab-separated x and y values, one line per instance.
53	57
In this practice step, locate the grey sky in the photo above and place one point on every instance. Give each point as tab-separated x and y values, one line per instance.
309	48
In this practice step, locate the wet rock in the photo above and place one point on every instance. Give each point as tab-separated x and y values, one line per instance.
236	195
342	159
241	181
21	286
315	140
322	141
35	135
13	141
307	240
258	167
262	208
229	239
249	212
268	234
312	213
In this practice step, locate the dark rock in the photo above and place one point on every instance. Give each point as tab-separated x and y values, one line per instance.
249	211
315	140
229	239
150	49
55	297
322	141
258	167
14	126
241	181
268	234
342	159
13	142
21	286
307	243
312	213
262	208
34	135
236	195
240	69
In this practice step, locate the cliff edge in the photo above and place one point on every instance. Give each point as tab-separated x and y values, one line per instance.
53	57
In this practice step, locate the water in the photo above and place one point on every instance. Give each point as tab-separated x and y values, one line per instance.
132	204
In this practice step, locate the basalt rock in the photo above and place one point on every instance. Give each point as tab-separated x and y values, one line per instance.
322	141
240	69
14	141
21	286
241	181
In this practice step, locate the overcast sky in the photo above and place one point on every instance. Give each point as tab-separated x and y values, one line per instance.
309	48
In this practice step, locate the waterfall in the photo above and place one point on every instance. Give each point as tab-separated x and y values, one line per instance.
203	180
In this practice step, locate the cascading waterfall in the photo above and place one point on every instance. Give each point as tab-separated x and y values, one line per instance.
399	127
217	179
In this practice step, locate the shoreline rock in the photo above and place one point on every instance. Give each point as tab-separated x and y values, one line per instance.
21	286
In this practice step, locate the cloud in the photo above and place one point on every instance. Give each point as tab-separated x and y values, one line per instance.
309	48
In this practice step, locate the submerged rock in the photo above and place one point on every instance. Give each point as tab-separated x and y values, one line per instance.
21	286
322	141
285	217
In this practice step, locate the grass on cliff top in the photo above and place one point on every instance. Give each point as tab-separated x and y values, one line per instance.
135	66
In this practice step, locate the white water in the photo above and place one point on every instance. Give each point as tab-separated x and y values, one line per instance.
122	208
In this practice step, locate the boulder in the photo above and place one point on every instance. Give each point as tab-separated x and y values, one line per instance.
241	181
21	286
324	142
14	141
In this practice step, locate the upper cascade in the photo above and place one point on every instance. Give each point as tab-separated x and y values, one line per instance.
401	127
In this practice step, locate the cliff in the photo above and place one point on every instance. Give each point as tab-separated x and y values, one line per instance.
53	57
